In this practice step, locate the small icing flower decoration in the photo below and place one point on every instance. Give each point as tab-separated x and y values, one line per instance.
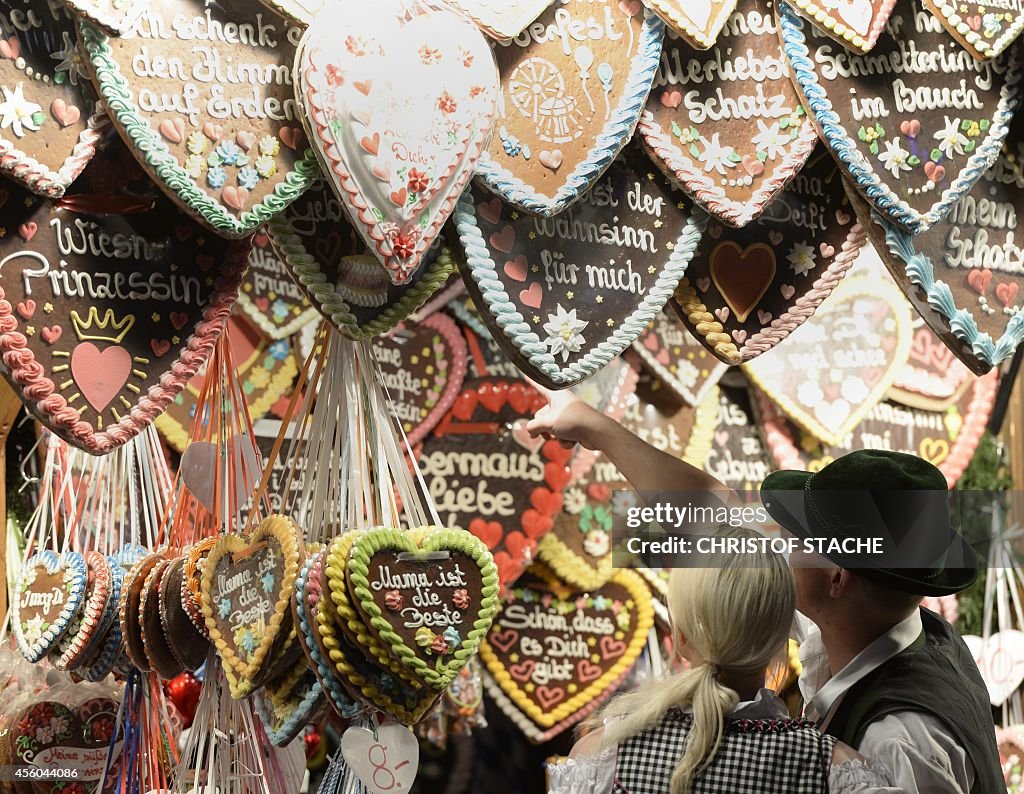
44	734
229	152
268	582
622	620
565	333
17	113
418	180
597	543
216	177
439	645
991	25
404	245
429	55
279	349
466	57
266	166
245	639
356	45
393	600
510	143
269	146
452	638
224	608
771	141
195	165
279	309
801	258
248	177
895	158
950	138
196	143
445	103
461	598
602	603
335	76
717	156
973	129
424	637
33	629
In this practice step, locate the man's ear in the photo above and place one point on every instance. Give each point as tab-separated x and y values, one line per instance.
838	582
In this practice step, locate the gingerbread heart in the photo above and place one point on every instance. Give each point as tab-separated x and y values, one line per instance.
269	297
835	367
912	144
220	132
429	595
50	124
423	366
677	359
487	358
47	598
1010	741
947	438
932	378
567	111
856	24
502	19
738	457
482	478
162	658
330	263
246	591
90	620
285	710
747	289
590	286
697	21
398	117
128	296
116	17
266	369
130	611
188	645
708	143
598	634
985	31
963	275
299	11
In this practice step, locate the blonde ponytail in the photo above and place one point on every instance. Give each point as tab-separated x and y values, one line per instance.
735	616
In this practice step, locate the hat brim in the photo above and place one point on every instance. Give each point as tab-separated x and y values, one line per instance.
782	493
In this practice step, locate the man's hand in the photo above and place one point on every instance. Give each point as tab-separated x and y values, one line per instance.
567	419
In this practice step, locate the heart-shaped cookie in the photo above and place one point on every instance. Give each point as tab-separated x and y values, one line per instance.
567	110
487	358
502	19
598	635
269	296
591	284
983	29
947	439
429	595
738	457
116	17
265	367
912	143
246	591
346	285
90	620
47	598
678	360
186	642
219	130
748	289
836	366
110	301
1000	659
50	124
482	478
286	710
856	24
161	656
1010	741
697	21
423	366
399	111
130	610
300	11
709	143
963	275
932	378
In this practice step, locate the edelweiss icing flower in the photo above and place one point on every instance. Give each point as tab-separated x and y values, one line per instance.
564	330
895	157
950	139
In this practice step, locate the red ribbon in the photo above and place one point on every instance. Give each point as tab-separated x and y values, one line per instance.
105	204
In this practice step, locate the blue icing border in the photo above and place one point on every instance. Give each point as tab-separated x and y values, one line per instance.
335	692
295	723
921	272
111	650
52	562
614	136
791	29
484	272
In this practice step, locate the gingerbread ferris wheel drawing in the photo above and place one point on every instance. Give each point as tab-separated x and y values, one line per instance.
537	88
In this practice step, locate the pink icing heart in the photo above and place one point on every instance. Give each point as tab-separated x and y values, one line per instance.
533	296
100	375
516	268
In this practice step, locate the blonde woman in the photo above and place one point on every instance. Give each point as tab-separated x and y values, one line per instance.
714	729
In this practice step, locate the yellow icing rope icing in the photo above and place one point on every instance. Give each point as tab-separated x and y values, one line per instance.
706	325
641	596
241	674
571	566
702	435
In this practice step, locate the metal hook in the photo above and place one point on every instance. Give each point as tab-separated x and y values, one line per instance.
26	479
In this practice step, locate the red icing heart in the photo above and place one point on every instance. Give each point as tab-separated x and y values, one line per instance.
585	670
518	544
465	405
100	374
28	230
504	640
611	648
549	696
178	320
11	48
173	130
398	197
546	501
671	98
490	211
363	86
493	396
504	240
488	531
370	145
516	268
523	670
159	347
26	308
1007	292
523	398
910	127
51	333
64	113
533	296
535	524
980	279
290	137
556	452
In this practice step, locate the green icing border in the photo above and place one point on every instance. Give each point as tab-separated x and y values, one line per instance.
118	96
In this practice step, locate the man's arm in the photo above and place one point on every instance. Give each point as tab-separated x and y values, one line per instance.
571	421
920	753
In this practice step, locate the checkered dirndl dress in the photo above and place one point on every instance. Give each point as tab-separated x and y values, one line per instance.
762	756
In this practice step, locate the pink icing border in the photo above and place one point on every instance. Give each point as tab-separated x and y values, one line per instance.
783	449
670	159
317	121
584	459
450	332
42	398
807	304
